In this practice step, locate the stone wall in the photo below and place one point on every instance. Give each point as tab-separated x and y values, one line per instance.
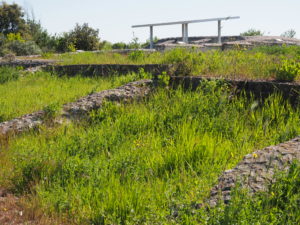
256	171
26	63
259	89
133	90
105	69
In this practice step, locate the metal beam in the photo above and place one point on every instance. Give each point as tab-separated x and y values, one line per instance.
187	22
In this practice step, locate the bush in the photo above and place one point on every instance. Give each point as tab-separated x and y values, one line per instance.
8	74
136	56
185	62
21	48
252	32
119	45
288	70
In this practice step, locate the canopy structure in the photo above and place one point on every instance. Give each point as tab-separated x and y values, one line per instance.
185	36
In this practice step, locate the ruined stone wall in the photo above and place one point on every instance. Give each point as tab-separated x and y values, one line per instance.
130	91
26	63
259	89
105	69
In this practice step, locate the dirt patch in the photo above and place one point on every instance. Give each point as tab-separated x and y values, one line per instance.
17	211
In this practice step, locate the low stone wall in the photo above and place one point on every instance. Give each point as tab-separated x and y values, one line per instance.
259	89
26	63
106	69
127	92
256	171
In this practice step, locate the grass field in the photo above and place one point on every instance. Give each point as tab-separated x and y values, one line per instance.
33	92
258	63
148	162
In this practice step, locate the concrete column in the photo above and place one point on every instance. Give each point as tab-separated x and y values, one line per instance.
219	32
186	34
183	33
151	38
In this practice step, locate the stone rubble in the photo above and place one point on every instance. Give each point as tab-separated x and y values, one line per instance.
256	171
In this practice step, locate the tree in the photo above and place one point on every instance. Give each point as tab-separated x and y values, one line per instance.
11	19
289	33
252	32
40	36
84	37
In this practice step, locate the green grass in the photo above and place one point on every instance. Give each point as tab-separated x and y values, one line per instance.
144	163
278	205
33	92
259	63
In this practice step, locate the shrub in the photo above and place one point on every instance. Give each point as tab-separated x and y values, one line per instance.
21	48
8	74
252	32
136	56
288	70
185	62
119	45
289	33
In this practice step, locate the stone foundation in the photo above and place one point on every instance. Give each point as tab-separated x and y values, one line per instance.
259	89
130	91
92	70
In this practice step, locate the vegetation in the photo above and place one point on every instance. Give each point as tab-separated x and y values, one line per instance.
32	92
148	162
252	32
288	70
258	63
278	205
289	33
81	37
11	19
8	74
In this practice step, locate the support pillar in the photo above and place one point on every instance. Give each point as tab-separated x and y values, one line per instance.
185	33
219	32
151	38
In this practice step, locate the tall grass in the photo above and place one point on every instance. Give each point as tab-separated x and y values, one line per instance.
148	162
254	64
32	92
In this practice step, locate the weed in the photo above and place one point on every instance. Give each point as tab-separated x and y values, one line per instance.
51	111
288	70
9	74
136	56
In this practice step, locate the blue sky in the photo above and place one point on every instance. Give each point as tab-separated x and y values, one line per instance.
114	17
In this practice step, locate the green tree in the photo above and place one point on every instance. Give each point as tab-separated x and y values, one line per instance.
11	19
252	32
84	37
40	36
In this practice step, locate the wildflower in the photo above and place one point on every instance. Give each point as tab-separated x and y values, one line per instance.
254	155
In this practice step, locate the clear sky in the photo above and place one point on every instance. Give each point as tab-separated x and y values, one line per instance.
114	17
